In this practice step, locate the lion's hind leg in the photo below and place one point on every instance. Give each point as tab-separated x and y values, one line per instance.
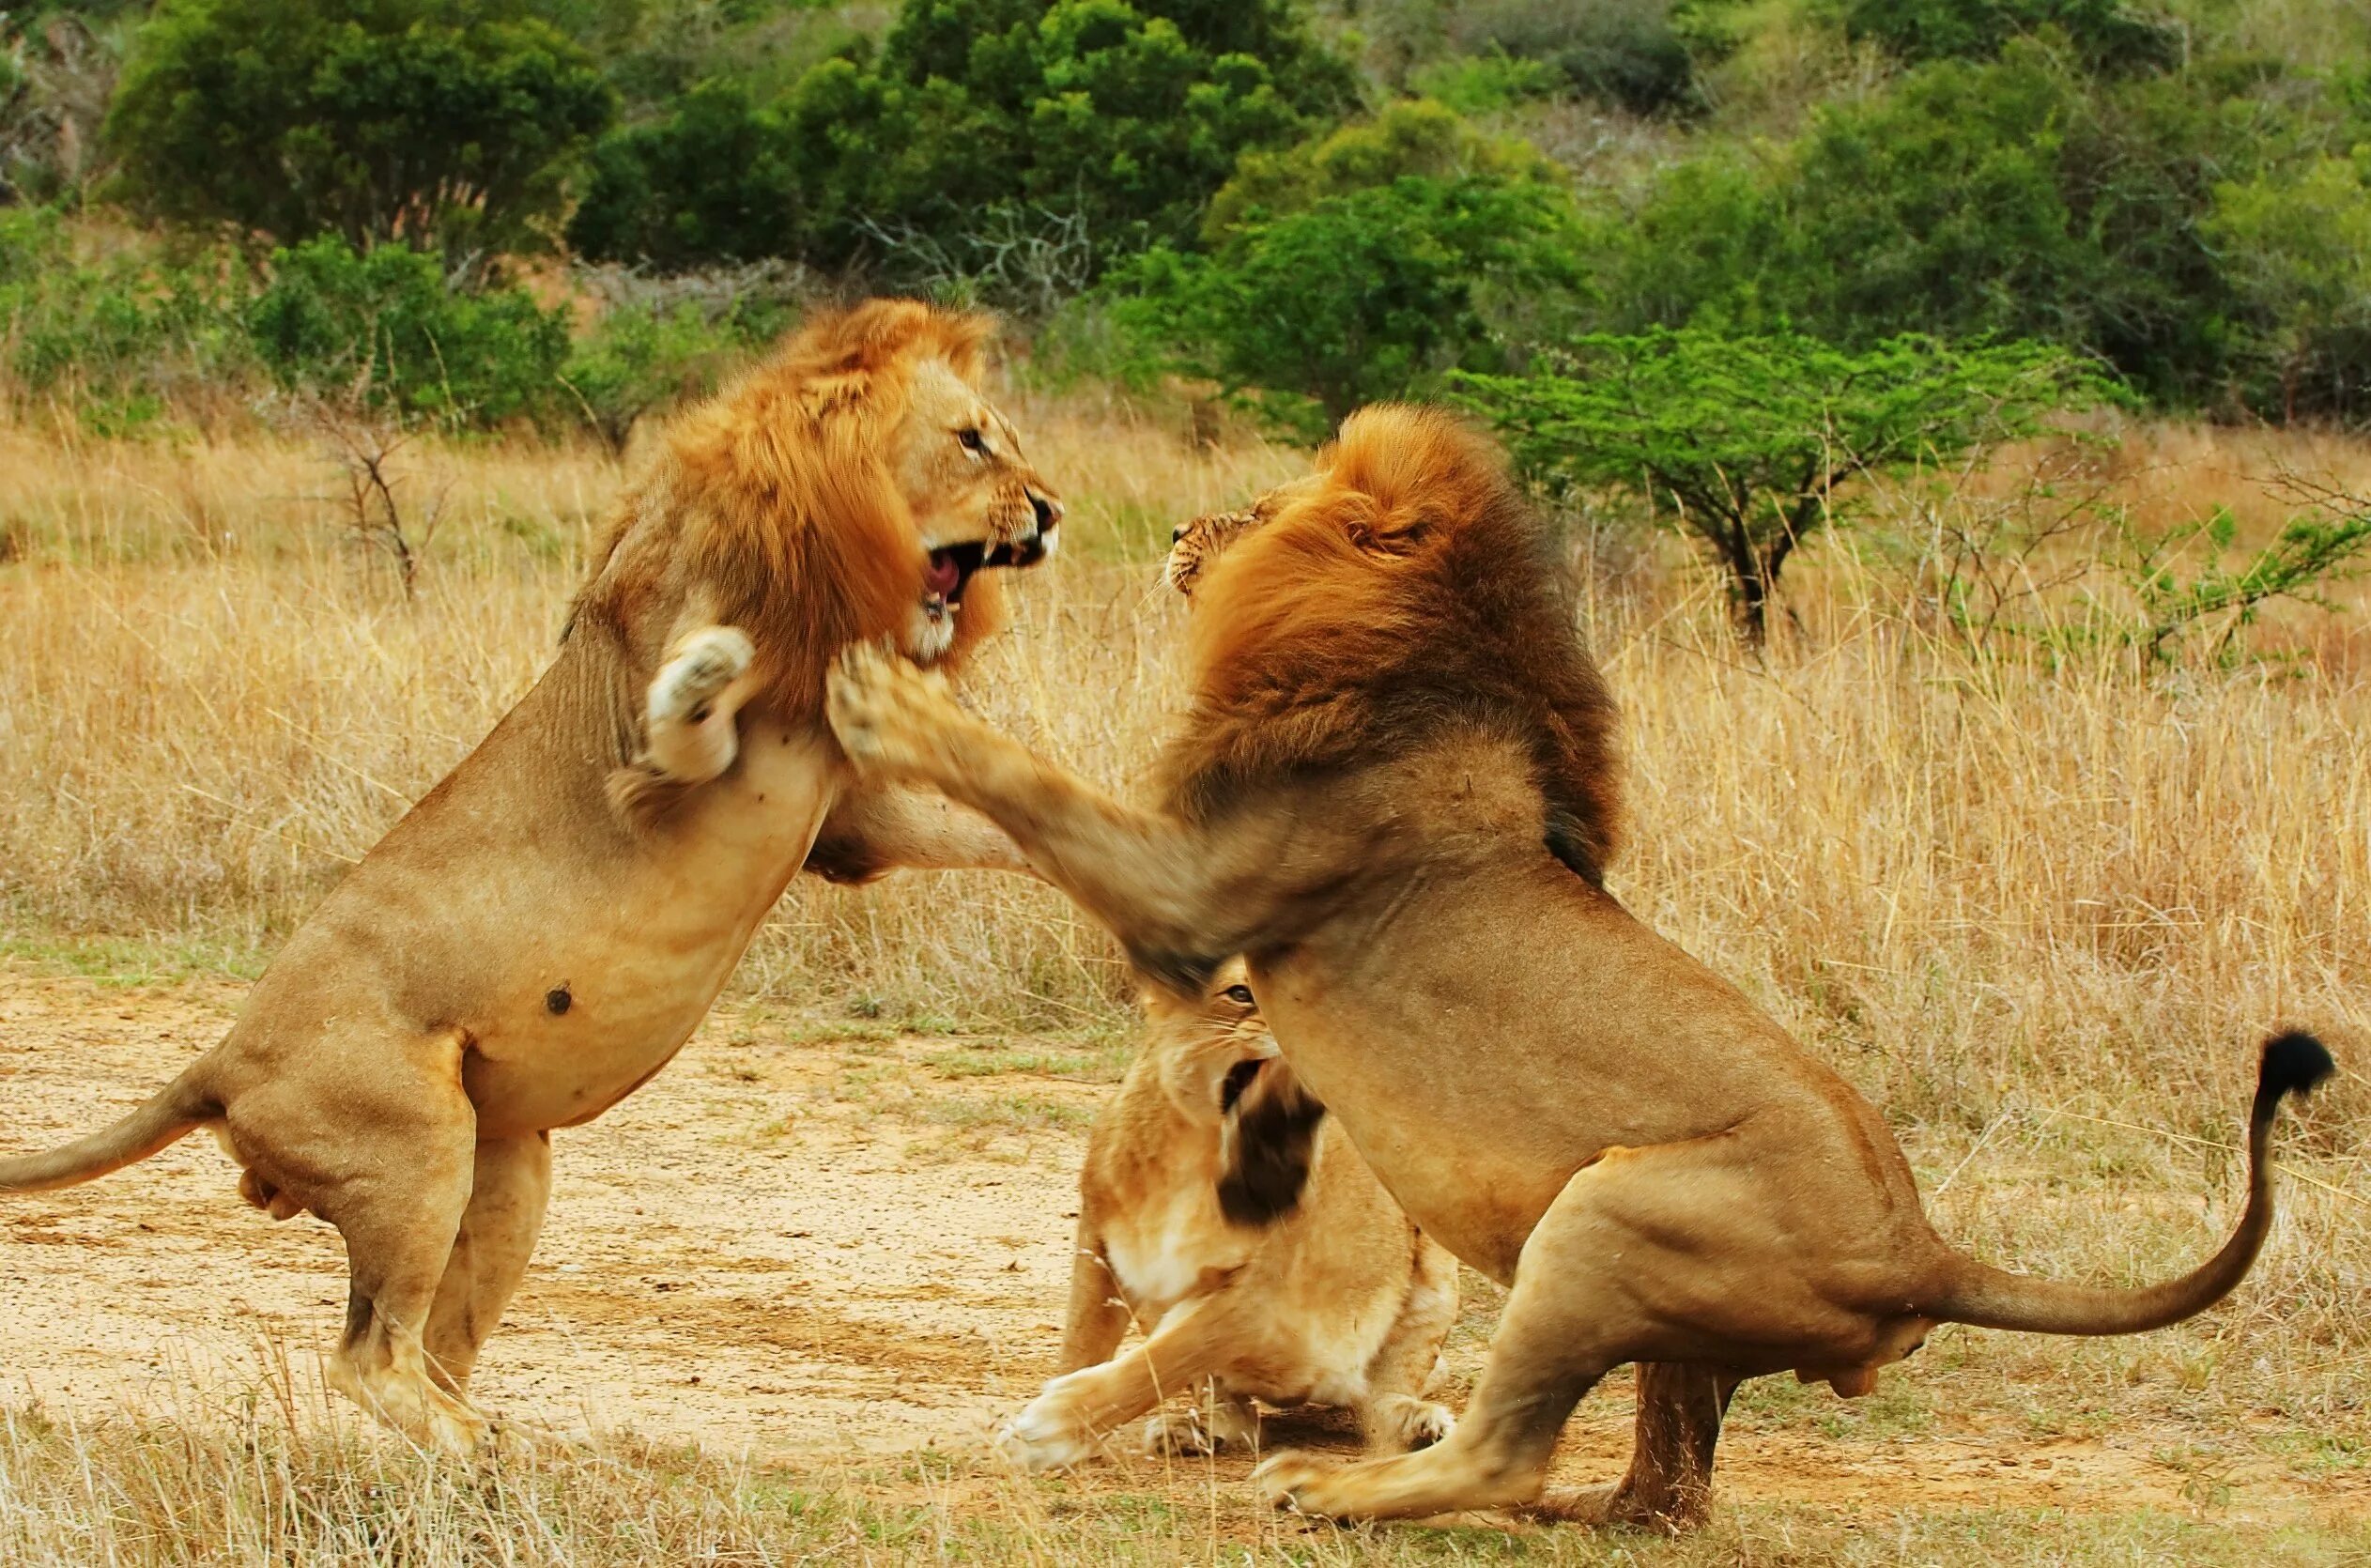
1568	1321
509	1189
689	734
388	1160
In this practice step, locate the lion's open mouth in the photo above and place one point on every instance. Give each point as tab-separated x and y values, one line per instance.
952	568
1239	1077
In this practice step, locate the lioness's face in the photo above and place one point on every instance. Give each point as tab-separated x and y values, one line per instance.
1210	1051
976	501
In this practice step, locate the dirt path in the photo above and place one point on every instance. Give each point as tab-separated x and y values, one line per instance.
793	1250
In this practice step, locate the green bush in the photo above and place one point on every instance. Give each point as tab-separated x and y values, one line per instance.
1374	294
388	328
115	335
428	122
2296	244
2109	35
1409	137
640	358
1484	84
1639	55
1752	445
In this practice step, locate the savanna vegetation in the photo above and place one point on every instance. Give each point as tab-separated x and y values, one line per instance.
1954	409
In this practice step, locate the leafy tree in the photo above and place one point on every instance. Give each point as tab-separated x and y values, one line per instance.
2018	198
978	119
717	180
387	328
2297	247
438	124
1752	445
1370	294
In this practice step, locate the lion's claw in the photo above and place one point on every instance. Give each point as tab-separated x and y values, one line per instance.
887	713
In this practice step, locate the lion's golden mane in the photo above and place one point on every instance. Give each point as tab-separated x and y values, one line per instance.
773	507
1409	595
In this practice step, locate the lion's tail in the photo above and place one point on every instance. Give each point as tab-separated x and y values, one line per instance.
1992	1298
171	1114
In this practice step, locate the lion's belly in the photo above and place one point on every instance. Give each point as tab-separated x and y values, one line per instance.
615	979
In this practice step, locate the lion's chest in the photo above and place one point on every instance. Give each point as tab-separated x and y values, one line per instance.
619	970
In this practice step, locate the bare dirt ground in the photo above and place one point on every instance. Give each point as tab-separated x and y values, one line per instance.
794	1248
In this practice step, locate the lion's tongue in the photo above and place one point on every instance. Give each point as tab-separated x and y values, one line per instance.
943	577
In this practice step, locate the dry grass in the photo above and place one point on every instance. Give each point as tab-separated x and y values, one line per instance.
277	1480
2038	908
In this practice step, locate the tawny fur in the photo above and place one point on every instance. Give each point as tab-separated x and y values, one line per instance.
1341	1301
1392	795
517	954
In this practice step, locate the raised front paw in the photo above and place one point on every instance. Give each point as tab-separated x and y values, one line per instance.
708	661
888	715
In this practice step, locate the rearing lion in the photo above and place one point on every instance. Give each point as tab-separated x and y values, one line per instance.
1395	795
545	928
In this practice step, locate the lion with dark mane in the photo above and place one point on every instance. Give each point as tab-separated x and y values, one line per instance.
1395	795
545	928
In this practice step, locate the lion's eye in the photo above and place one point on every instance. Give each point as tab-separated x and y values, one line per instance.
1239	995
973	442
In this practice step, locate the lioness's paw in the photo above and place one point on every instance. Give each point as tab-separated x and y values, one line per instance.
886	714
1179	1433
1292	1479
1402	1423
1039	1438
709	660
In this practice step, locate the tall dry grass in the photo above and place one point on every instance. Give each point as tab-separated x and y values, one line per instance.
2039	905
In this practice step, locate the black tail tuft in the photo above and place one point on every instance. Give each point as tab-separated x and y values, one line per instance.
2293	1064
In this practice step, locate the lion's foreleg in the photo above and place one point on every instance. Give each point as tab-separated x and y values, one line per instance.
1183	898
877	829
688	731
1076	1410
1097	1319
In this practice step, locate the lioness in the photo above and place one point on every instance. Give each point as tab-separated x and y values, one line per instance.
1338	1300
520	953
1394	793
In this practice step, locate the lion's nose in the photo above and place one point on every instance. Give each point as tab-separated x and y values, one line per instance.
1049	511
1177	535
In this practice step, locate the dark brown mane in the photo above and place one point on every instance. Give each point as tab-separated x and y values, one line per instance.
1412	598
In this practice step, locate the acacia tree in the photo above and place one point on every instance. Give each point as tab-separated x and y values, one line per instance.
1752	445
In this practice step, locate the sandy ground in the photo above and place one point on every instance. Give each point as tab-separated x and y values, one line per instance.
791	1249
